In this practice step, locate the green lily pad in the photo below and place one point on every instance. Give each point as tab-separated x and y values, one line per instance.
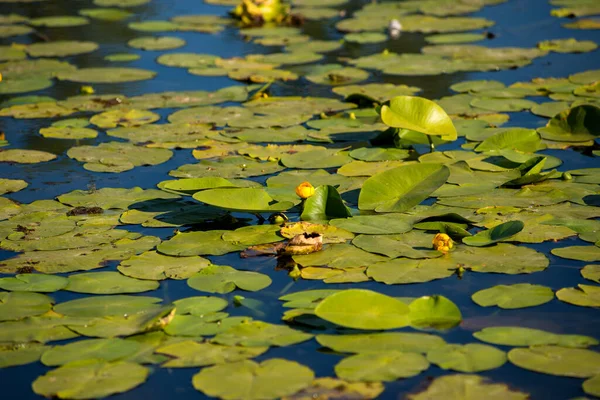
112	198
33	283
118	157
241	199
315	159
524	140
24	353
567	45
198	243
254	235
271	379
200	305
496	234
207	325
378	92
363	309
225	279
455	38
154	266
193	354
435	312
41	329
382	342
107	282
374	224
106	75
467	387
471	357
59	21
420	115
25	156
502	105
90	379
402	270
401	188
72	133
156	43
14	30
365	37
105	14
592	386
112	305
581	253
339	256
555	360
583	295
578	124
13	86
377	367
338	76
124	117
519	295
61	48
258	334
324	204
122	57
11	185
331	386
413	244
18	305
518	336
591	272
113	349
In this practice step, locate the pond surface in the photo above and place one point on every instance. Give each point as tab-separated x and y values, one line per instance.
517	23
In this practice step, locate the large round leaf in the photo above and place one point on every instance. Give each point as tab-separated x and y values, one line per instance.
258	333
518	336
242	199
467	387
420	115
106	75
555	360
33	283
381	342
375	367
108	282
224	279
435	312
101	349
519	295
471	357
247	380
193	354
88	379
363	309
399	189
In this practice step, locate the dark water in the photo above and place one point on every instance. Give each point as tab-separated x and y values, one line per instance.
520	23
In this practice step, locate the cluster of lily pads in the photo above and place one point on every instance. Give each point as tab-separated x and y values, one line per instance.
368	186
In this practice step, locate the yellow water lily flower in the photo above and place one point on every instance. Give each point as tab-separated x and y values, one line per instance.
305	190
442	243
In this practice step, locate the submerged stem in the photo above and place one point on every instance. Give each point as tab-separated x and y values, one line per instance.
431	145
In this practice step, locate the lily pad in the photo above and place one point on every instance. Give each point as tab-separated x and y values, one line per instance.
331	387
101	306
107	282
374	224
90	379
225	279
25	156
592	386
363	309
258	334
124	117
72	133
555	360
435	312
11	185
467	387
496	234
22	354
154	266
156	43
117	157
105	14
101	349
578	124
402	270
591	272
61	48
377	367
242	199
339	256
581	253
567	45
107	75
519	295
33	283
518	336
59	21
382	342
271	379
198	243
18	305
401	188
193	354
471	357
583	295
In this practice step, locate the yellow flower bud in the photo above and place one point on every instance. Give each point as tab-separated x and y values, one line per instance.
442	243
305	190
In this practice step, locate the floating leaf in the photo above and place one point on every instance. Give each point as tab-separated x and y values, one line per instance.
376	367
496	234
582	253
124	117
33	283
60	48
106	75
418	114
193	354
225	279
248	380
382	342
401	188
331	387
242	199
582	295
567	45
154	266
591	272
592	386
258	333
435	312
363	309
467	387
198	243
518	336
100	306
25	156
100	349
519	295
24	353
18	305
471	357
402	271
324	204
555	360
117	157
107	282
90	379
156	43
577	124
374	224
